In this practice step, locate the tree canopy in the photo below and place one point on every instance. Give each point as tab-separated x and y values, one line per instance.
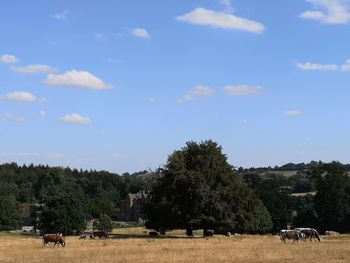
199	189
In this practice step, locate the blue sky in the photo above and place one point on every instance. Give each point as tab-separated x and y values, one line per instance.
119	85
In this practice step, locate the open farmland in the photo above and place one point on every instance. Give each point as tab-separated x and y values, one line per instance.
19	249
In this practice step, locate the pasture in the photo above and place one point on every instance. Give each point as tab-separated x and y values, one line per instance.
133	245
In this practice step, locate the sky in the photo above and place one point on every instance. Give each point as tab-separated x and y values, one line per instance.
119	85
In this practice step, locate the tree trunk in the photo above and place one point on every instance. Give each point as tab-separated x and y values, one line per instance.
189	231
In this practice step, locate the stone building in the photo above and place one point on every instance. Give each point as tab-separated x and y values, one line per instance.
132	208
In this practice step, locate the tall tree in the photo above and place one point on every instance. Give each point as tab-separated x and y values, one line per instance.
332	202
62	209
199	189
8	214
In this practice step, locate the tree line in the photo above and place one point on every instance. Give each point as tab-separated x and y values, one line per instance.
196	189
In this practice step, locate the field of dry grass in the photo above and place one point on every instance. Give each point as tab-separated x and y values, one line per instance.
240	249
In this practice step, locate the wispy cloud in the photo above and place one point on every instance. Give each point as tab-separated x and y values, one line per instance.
100	36
19	154
206	17
140	32
42	114
8	59
346	67
113	60
242	90
55	156
75	78
325	67
227	5
312	66
196	92
75	118
14	117
291	113
34	69
152	99
61	16
328	12
21	96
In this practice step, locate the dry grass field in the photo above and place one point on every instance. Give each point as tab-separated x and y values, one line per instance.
123	248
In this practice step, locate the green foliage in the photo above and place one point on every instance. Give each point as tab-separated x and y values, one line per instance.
98	192
306	214
62	210
104	223
8	214
332	202
274	191
198	189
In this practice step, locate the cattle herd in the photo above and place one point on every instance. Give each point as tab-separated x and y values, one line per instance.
297	234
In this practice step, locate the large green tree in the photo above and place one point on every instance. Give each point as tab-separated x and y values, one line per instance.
63	206
332	201
8	214
199	189
62	212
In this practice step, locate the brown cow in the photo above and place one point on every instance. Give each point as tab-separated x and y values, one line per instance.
57	239
101	234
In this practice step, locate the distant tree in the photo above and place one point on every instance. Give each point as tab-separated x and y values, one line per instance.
198	189
306	214
274	191
104	223
332	201
8	214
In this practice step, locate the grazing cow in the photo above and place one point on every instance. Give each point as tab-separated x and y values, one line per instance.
92	237
101	234
310	233
82	237
295	235
57	239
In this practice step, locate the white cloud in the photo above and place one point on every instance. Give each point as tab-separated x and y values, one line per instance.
42	114
292	113
328	12
8	59
206	17
242	90
55	156
14	117
346	67
34	69
75	118
312	66
75	78
140	32
61	16
196	92
21	96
